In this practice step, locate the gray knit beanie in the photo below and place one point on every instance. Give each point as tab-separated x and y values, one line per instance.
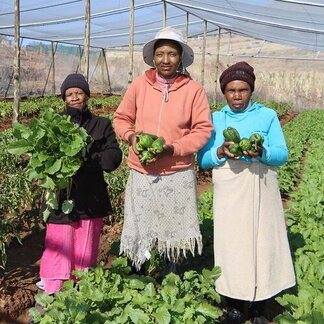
75	80
238	71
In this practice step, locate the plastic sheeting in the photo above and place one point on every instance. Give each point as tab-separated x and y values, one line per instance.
292	22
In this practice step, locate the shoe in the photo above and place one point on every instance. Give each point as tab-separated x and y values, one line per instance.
256	313
40	285
260	320
234	317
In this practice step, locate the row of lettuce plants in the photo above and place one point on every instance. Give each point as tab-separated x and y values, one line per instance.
33	105
117	296
18	197
305	213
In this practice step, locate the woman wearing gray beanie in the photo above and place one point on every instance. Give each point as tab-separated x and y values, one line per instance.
250	237
72	240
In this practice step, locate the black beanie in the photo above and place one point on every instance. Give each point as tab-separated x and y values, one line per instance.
238	71
75	80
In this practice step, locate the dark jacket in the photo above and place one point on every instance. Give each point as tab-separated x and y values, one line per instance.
89	190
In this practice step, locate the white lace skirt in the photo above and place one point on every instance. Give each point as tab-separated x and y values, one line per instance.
160	211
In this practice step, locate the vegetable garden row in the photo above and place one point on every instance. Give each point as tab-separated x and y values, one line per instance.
116	296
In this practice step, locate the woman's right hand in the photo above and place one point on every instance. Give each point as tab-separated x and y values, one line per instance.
223	151
132	140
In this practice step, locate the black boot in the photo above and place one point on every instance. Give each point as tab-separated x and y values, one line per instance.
257	312
237	311
234	316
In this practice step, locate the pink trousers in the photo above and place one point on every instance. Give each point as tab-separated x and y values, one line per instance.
68	247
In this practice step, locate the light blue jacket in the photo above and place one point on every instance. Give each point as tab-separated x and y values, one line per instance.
256	118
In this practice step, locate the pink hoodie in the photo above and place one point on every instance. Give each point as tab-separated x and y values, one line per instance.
183	120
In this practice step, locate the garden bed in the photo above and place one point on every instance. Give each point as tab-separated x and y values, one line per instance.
17	282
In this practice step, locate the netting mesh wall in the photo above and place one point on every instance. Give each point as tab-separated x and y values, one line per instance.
283	73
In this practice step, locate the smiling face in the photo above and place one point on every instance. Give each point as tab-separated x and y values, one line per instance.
167	57
238	94
76	98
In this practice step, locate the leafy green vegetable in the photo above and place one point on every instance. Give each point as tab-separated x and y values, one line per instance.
56	149
116	296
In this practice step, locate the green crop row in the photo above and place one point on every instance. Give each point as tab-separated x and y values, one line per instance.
305	303
32	105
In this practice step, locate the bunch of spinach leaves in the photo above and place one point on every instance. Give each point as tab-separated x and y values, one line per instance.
56	148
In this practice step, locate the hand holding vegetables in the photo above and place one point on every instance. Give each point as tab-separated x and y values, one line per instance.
235	147
149	146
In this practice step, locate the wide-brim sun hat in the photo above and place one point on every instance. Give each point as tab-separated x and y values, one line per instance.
171	34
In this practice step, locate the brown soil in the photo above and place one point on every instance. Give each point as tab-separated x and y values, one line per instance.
17	281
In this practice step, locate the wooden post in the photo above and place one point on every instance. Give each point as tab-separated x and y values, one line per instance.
217	64
187	26
164	14
85	68
79	66
17	63
107	70
54	46
131	42
102	71
12	73
203	55
51	70
229	50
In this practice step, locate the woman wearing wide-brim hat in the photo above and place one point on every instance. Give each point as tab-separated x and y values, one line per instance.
161	196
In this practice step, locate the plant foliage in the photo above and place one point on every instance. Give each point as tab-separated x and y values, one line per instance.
56	149
116	296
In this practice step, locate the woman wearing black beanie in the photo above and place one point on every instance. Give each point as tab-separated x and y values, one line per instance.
250	236
72	240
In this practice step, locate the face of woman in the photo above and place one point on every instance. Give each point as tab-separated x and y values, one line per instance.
76	98
167	58
238	94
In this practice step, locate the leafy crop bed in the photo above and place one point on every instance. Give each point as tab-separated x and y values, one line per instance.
299	183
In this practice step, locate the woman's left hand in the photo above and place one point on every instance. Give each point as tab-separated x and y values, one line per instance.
168	149
253	154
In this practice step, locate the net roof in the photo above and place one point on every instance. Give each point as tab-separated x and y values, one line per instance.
292	22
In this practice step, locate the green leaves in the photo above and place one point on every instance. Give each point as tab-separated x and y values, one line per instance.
55	148
115	296
305	218
21	146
